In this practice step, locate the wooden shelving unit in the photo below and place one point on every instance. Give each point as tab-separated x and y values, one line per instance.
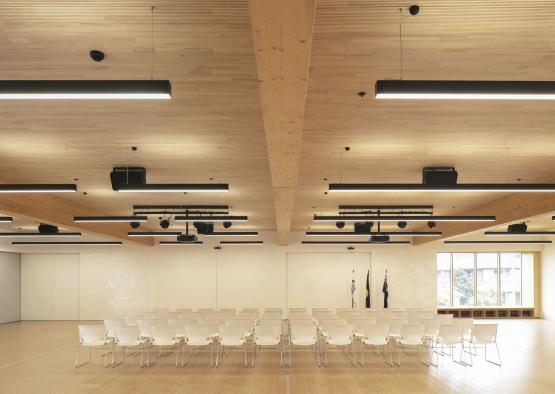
489	313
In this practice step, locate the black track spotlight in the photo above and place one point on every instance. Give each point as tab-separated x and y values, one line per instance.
164	223
135	224
402	224
339	224
227	224
431	224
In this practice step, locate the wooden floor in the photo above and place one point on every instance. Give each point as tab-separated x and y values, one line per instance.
38	357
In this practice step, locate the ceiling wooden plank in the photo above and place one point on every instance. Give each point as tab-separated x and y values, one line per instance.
507	209
58	211
282	33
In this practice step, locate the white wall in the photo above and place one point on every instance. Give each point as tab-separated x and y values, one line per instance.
547	281
50	286
10	291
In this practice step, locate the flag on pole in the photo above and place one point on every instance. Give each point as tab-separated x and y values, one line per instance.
353	288
368	289
385	291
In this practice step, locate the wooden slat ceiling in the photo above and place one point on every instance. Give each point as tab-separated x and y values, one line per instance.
213	127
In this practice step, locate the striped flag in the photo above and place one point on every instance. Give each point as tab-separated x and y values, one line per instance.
385	291
368	289
353	288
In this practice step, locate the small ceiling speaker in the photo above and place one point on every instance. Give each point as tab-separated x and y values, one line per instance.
431	224
227	224
402	224
517	228
164	223
47	229
135	224
340	224
96	55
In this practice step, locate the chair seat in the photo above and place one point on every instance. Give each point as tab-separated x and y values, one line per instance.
410	343
97	343
232	343
267	343
338	342
198	343
374	343
303	343
165	343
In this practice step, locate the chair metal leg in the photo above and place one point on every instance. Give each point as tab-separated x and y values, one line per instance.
245	348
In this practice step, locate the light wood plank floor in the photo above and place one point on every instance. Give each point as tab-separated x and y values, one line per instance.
38	357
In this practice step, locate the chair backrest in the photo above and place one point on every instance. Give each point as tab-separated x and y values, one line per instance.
395	325
231	334
301	322
198	332
144	327
304	334
127	334
110	326
332	322
449	333
466	324
131	320
267	333
445	318
92	333
484	333
431	327
162	334
343	333
376	334
360	324
270	322
427	315
413	333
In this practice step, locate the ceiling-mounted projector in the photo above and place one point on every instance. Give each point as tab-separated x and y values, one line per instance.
187	238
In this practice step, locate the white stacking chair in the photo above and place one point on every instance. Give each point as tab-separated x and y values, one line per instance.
482	336
303	334
264	336
466	325
163	337
449	336
273	309
431	329
395	326
144	327
199	336
231	337
411	336
111	325
252	311
131	320
339	335
245	324
375	336
359	326
128	338
93	336
445	318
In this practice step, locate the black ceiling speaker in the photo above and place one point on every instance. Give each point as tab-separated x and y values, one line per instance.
517	228
402	224
431	224
379	238
204	227
164	223
127	176
439	176
96	55
340	224
363	227
227	224
414	10
187	238
135	224
47	229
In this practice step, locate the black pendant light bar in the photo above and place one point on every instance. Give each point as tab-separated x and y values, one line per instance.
6	219
462	188
232	234
389	233
167	243
386	207
153	233
465	90
85	90
180	207
174	188
42	235
39	188
355	243
517	234
210	219
109	219
430	218
496	242
77	243
241	242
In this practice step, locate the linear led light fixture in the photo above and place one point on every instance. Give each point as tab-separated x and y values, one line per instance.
241	242
460	188
153	233
39	188
168	243
232	234
355	243
385	207
6	219
209	219
85	90
375	218
506	233
109	219
78	243
174	188
389	233
498	242
465	90
41	235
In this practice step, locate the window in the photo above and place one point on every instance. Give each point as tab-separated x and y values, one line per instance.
463	279
485	279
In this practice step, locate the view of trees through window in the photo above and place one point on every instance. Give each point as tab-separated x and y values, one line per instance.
485	279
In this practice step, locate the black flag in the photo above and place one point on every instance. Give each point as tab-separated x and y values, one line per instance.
368	289
385	291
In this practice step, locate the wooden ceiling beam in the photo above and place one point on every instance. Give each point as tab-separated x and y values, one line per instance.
517	206
51	209
282	34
